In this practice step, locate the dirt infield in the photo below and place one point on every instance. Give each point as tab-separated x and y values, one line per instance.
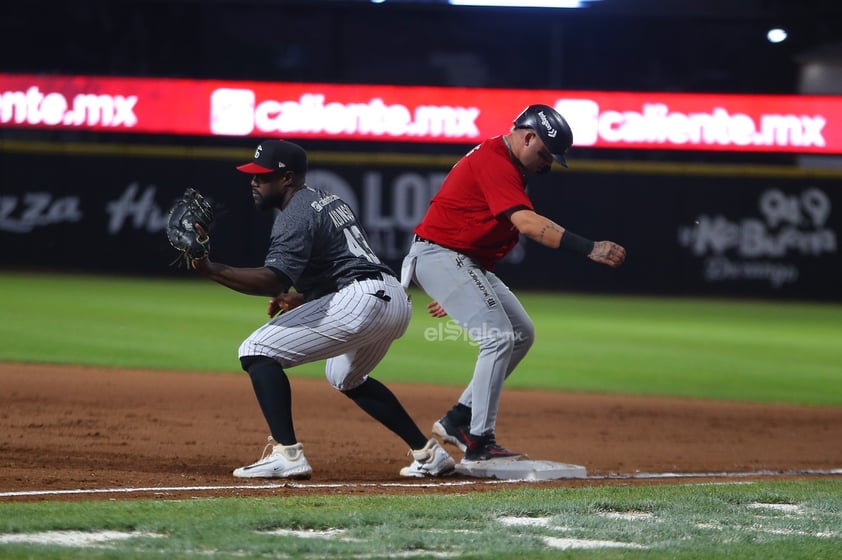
86	428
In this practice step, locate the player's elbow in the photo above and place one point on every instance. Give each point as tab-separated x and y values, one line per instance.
529	229
526	222
537	228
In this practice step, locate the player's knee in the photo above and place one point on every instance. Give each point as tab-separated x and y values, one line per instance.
344	384
525	336
350	390
249	362
342	381
501	340
358	388
245	350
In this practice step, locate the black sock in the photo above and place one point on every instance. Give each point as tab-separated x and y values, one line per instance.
271	386
382	405
460	414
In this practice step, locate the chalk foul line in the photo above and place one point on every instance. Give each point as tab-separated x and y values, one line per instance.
436	484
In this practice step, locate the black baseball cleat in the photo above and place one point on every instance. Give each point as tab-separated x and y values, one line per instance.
485	448
453	432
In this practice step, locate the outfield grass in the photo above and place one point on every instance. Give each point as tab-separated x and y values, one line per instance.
737	350
762	521
750	351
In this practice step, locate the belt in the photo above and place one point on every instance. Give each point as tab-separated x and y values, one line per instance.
419	239
373	275
369	276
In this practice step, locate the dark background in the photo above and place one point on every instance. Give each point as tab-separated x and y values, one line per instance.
638	45
698	46
622	45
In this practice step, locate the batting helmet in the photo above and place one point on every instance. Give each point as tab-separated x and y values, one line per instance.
551	128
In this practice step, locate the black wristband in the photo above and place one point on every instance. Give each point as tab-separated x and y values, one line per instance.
576	243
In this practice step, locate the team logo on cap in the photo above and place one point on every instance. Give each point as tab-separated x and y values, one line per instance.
551	132
259	152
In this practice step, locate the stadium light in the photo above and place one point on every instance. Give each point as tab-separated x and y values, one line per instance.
776	35
523	3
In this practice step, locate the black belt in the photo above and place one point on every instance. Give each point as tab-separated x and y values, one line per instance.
370	276
419	239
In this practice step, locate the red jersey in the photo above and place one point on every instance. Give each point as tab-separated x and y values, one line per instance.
468	213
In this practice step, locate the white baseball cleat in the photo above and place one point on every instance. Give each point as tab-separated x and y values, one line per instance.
430	460
281	461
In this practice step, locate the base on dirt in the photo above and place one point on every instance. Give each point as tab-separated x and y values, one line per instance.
525	469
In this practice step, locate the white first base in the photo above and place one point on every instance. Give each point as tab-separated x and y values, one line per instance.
525	469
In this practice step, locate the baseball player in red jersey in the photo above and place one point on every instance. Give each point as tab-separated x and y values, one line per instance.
473	222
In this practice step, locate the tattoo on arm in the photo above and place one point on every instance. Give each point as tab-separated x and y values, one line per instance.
549	226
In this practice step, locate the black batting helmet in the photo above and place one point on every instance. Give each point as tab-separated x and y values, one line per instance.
551	128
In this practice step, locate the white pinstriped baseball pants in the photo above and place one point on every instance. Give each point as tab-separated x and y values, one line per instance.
352	329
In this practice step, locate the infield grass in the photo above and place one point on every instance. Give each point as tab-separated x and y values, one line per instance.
720	349
762	521
740	350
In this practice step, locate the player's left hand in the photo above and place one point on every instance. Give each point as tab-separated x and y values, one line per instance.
190	219
284	302
608	252
202	236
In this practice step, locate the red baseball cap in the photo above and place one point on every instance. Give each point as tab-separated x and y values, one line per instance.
276	155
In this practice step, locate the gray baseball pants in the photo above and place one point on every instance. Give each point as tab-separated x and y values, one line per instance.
488	312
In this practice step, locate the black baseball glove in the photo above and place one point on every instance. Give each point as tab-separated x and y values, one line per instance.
191	243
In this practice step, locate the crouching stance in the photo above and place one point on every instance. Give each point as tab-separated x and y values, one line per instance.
347	308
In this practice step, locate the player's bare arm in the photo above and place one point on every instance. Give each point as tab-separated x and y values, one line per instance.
548	233
537	227
262	281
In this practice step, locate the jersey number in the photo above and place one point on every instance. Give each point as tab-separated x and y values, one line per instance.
357	244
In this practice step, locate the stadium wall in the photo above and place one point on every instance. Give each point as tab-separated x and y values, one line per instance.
690	229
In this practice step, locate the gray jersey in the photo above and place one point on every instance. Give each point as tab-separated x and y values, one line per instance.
318	243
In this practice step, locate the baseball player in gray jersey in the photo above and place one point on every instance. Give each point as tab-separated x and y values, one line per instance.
347	308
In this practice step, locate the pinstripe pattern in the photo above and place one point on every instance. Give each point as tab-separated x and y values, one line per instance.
350	328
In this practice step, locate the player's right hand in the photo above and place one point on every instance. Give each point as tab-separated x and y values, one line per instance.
284	302
608	252
436	310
